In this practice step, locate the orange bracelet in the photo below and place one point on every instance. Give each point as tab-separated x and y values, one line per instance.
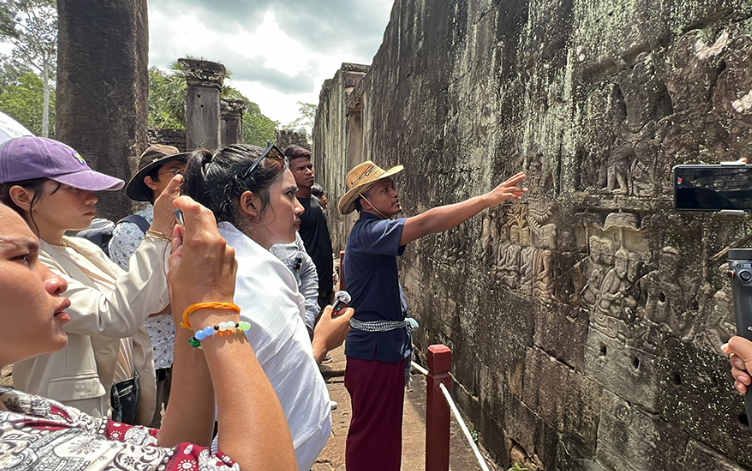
195	307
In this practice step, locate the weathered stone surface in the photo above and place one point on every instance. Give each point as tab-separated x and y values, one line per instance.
232	121
168	137
698	393
591	282
567	400
203	126
631	439
102	86
633	374
562	332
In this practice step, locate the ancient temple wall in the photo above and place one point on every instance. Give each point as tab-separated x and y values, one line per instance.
585	320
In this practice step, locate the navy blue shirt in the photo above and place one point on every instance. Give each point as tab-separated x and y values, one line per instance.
372	279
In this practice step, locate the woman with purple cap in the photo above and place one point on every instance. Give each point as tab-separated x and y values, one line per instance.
106	369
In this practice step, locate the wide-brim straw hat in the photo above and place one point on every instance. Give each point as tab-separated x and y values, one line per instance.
360	180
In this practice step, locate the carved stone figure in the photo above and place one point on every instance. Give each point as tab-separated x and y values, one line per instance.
539	215
510	272
527	269
613	288
544	275
664	297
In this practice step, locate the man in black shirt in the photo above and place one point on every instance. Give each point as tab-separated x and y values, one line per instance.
313	229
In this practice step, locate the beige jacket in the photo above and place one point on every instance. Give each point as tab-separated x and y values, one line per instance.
81	374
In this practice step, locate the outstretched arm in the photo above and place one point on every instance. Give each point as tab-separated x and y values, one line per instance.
446	217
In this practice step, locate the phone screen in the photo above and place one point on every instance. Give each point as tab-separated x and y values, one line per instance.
712	187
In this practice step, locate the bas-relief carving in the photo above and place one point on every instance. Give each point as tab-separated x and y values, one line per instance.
665	303
523	260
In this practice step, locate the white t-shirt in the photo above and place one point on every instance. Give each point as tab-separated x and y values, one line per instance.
266	291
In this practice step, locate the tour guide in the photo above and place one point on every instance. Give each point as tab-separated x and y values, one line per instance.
379	343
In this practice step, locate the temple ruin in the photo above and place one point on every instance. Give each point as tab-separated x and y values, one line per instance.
585	321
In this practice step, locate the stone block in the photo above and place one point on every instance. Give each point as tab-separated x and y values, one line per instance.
631	439
565	399
562	332
699	399
699	456
633	374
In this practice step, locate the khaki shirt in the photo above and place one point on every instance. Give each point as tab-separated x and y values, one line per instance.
81	374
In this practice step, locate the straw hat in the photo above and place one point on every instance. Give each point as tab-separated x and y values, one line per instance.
360	180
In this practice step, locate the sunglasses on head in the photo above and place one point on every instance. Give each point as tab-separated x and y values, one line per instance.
271	152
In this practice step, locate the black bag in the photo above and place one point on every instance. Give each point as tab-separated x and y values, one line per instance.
100	230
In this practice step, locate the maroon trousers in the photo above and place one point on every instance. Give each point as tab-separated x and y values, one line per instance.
377	393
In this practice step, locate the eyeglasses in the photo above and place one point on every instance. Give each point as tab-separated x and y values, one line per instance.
271	152
174	172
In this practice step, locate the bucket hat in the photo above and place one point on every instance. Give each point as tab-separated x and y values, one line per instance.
360	180
29	158
154	156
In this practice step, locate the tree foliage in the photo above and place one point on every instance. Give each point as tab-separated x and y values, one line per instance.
166	99
305	121
22	100
32	30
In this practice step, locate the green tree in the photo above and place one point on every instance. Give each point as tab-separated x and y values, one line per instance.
23	101
258	129
33	33
166	99
305	120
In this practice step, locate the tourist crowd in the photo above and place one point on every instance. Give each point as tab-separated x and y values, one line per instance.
189	335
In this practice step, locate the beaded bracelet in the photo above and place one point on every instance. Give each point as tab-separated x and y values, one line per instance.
195	307
221	329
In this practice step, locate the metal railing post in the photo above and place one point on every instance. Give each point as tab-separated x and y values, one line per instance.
437	408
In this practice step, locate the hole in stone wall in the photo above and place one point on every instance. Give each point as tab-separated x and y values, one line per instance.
743	421
202	106
676	379
198	96
662	297
635	363
603	350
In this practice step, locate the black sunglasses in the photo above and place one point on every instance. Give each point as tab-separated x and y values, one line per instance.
271	151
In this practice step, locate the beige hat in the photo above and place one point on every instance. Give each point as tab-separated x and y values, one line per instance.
360	180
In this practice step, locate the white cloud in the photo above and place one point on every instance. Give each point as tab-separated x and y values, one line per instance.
279	53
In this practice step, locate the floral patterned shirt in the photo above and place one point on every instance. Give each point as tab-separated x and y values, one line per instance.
38	433
126	237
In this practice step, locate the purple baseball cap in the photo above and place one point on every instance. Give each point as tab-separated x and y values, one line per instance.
29	158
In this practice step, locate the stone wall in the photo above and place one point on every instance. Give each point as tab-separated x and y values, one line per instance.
585	320
168	137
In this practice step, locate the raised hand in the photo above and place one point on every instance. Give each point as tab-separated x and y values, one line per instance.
507	191
164	217
202	266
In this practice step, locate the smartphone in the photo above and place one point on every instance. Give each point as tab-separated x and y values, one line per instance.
712	187
179	217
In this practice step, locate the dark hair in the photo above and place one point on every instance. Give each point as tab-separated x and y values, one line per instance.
217	180
34	185
357	205
297	152
316	190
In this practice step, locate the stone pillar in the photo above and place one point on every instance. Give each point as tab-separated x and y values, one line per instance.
202	115
102	88
232	121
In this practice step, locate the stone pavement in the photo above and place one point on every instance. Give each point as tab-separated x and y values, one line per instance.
332	458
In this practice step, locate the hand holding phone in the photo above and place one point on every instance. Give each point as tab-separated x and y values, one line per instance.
342	301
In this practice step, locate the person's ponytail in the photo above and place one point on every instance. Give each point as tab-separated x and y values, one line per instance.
194	180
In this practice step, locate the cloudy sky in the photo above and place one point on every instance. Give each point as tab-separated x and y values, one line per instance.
279	51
